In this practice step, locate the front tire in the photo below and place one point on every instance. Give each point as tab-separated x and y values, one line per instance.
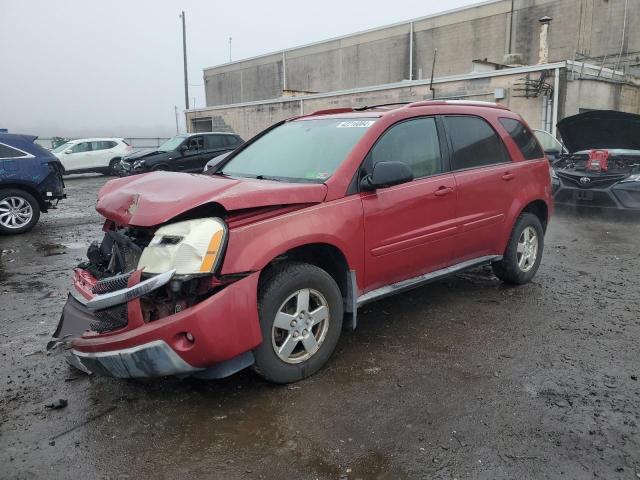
300	309
19	211
523	253
113	167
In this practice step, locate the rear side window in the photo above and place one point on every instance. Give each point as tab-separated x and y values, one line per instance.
525	140
213	141
9	152
475	143
413	142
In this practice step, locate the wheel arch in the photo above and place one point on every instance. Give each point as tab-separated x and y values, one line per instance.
332	260
27	188
540	209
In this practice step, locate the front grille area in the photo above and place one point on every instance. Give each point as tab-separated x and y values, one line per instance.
602	180
115	317
111	319
599	199
111	284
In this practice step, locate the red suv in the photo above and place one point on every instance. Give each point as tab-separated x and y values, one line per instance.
264	260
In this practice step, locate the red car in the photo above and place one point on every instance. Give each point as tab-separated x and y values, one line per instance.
266	259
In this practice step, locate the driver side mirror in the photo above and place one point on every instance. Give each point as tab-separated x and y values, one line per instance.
387	174
183	148
68	152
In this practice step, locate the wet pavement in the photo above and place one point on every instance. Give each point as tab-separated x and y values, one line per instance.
464	378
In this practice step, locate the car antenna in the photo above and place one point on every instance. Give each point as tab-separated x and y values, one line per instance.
433	68
368	107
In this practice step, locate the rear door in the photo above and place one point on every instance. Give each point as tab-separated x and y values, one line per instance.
486	181
409	227
214	145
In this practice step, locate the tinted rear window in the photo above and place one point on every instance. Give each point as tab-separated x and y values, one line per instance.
527	143
9	152
475	143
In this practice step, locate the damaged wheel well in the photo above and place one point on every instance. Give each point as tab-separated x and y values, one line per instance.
539	209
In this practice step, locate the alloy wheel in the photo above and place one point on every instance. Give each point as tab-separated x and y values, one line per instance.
15	212
300	326
527	249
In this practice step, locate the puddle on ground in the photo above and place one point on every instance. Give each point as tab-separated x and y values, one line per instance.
50	249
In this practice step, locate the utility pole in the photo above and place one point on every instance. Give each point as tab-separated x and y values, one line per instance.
230	49
175	109
184	57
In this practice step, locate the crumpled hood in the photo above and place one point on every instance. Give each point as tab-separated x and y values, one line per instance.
146	152
600	129
154	198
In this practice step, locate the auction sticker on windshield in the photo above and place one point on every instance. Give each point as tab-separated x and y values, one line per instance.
356	124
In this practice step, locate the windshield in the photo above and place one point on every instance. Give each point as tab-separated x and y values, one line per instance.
171	144
303	151
61	148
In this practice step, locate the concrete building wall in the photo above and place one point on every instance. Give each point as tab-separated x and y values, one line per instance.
249	119
381	56
598	95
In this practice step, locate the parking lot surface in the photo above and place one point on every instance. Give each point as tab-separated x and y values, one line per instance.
463	378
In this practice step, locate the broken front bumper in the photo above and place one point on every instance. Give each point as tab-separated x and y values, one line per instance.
211	339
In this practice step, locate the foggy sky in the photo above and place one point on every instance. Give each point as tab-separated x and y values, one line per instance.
114	68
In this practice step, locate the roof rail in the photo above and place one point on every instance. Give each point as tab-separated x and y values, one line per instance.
470	103
330	111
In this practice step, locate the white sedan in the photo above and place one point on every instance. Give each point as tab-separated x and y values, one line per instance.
101	155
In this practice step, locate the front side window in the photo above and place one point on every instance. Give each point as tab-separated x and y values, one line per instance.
9	152
525	140
548	141
475	143
81	147
300	151
196	143
413	142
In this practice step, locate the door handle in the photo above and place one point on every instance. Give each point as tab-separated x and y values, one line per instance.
508	176
442	191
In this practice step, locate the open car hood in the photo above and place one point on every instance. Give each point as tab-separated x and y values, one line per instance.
154	198
600	129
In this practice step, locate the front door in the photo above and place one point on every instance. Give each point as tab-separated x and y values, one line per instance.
409	227
79	156
192	157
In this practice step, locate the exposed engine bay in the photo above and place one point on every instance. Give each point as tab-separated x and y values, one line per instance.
611	162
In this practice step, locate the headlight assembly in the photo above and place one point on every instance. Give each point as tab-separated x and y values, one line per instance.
138	164
191	247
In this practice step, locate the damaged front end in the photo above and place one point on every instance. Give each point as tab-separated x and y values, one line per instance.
150	302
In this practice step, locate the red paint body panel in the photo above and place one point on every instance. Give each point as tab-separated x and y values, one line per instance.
224	325
408	230
151	199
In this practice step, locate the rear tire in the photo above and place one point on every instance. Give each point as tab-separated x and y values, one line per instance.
300	309
523	253
19	211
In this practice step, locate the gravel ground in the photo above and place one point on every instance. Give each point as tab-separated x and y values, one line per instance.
464	378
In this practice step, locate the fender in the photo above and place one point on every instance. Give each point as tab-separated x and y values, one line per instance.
338	223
